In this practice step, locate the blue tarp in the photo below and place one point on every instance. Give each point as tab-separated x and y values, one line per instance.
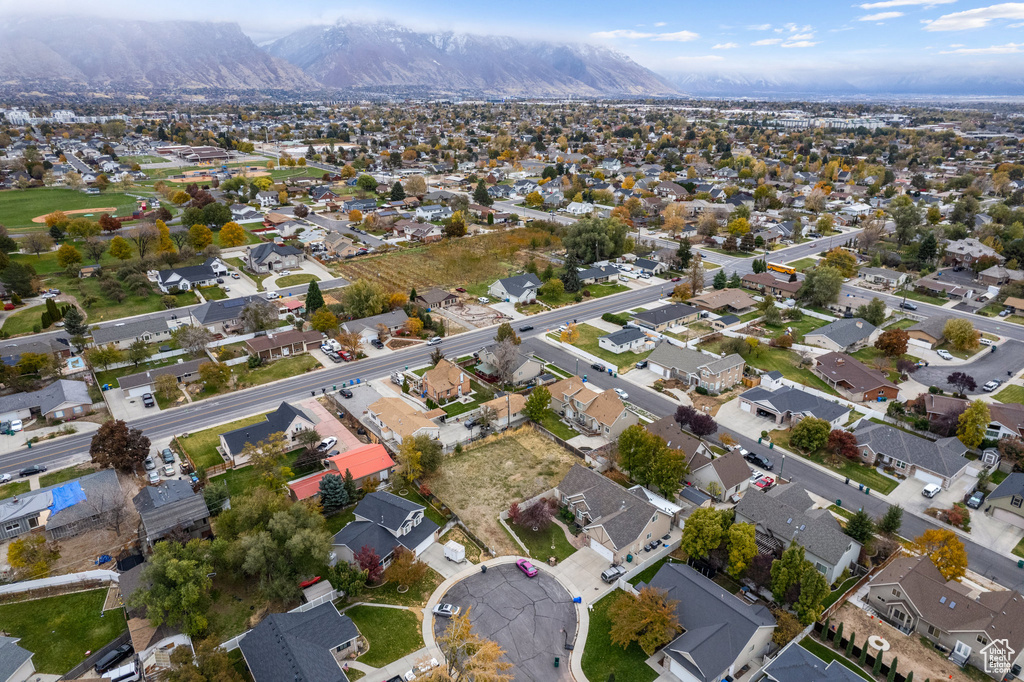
67	495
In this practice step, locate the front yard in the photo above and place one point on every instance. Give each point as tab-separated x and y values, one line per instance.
202	445
854	470
602	659
799	328
492	474
588	342
1011	394
390	633
60	630
545	543
596	291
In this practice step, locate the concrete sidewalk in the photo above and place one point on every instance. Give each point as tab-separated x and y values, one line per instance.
19	441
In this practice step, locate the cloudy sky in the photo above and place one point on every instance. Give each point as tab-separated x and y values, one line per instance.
669	36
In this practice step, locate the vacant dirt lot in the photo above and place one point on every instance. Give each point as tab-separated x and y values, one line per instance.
924	661
484	480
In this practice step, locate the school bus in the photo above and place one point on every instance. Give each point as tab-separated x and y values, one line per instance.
785	269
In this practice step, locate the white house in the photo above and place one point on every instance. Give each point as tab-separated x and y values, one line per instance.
579	208
267	199
183	279
626	339
518	289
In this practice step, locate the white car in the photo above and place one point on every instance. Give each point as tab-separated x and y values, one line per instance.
271	295
944	354
483	299
16	425
447	610
49	294
985	342
622	394
931	490
326	444
4	478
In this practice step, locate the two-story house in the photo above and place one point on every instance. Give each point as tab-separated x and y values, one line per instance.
854	380
270	257
392	420
384	522
693	367
364	463
172	506
524	367
446	381
598	413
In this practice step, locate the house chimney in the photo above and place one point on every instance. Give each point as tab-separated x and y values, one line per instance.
840	361
860	324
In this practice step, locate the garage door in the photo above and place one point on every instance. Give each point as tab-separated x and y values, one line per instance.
602	550
658	369
139	390
745	406
927	477
1008	517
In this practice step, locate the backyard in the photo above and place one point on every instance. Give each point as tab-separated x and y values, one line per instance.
602	659
588	342
201	446
390	633
60	630
489	476
785	361
798	328
23	321
856	472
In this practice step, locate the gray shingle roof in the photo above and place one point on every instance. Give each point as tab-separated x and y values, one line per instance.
944	456
795	401
786	514
623	514
797	664
845	332
624	336
380	515
682	359
1011	485
932	326
392	320
45	399
212	312
276	421
12	657
718	626
149	376
515	286
296	646
666	313
169	505
128	330
261	252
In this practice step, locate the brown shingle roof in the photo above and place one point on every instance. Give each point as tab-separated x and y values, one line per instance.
852	373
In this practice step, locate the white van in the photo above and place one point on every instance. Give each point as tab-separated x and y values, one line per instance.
129	672
271	295
931	490
434	341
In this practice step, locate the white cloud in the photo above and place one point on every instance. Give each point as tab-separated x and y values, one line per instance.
766	41
724	46
1008	48
760	27
976	18
802	36
677	37
801	43
904	3
659	23
881	16
621	33
702	58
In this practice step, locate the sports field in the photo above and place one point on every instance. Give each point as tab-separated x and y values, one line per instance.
19	207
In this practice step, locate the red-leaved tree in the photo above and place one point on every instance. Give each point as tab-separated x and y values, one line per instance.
368	561
843	443
514	512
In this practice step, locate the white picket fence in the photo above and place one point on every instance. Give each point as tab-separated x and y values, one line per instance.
60	580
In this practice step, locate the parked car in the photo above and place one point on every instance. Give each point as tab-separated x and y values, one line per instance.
446	610
526	328
333	356
167	456
759	460
976	499
168	470
641	364
677	279
612	574
598	366
764	482
944	354
148	400
346	356
345	393
271	295
622	394
483	299
931	490
992	385
113	658
461	290
153	477
149	464
985	342
1004	312
377	343
907	305
32	470
5	478
526	567
326	444
235	275
16	425
220	280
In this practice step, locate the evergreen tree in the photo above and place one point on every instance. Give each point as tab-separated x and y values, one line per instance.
892	520
684	253
863	660
397	193
314	299
333	495
74	322
837	642
350	485
720	279
824	630
860	527
51	307
412	295
571	275
735	282
849	645
877	667
891	677
480	195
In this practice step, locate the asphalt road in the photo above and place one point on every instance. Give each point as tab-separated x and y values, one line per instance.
1005	360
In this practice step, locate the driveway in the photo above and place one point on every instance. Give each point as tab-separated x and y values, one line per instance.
527	617
433	556
127	409
508	308
326	424
1007	360
747	423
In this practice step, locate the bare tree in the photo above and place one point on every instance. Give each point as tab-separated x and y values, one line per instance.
506	359
258	315
145	238
193	339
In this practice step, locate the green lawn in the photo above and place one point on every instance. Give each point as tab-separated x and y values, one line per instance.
601	658
869	354
59	630
252	238
278	369
857	473
539	543
803	264
557	427
244	478
19	207
646	575
340	520
111	376
414	496
588	342
213	293
905	323
1019	549
23	321
596	291
62	475
962	354
558	371
105	309
998	476
46	263
835	594
202	445
391	633
295	280
752	315
926	298
781	359
828	655
800	327
416	596
13	488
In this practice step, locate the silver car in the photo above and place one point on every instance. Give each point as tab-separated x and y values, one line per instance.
446	610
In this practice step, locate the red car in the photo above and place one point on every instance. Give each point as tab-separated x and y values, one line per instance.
346	356
677	279
526	567
460	290
764	482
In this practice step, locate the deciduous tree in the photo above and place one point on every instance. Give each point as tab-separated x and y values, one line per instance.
118	446
31	556
821	285
810	434
787	571
536	405
177	586
962	381
120	248
367	560
960	333
405	569
945	550
842	443
468	656
892	342
233	234
702	533
648	618
323	320
742	548
200	236
813	590
67	255
972	423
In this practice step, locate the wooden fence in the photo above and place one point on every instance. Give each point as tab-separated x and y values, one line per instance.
94	658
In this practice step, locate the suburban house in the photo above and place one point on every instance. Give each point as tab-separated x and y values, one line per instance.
788	514
58	345
854	380
651	267
337	244
729	472
364	462
735	300
627	339
285	419
393	419
267	199
283	344
615	521
300	645
598	273
191	277
940	462
885	277
766	282
998	275
153	644
171	506
518	289
929	331
912	595
271	257
436	298
124	334
525	368
63	510
693	367
16	664
384	522
508	409
797	663
224	316
966	252
721	633
433	213
61	400
446	381
661	318
136	385
369	328
787	405
1007	418
591	412
1014	304
1006	502
844	335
